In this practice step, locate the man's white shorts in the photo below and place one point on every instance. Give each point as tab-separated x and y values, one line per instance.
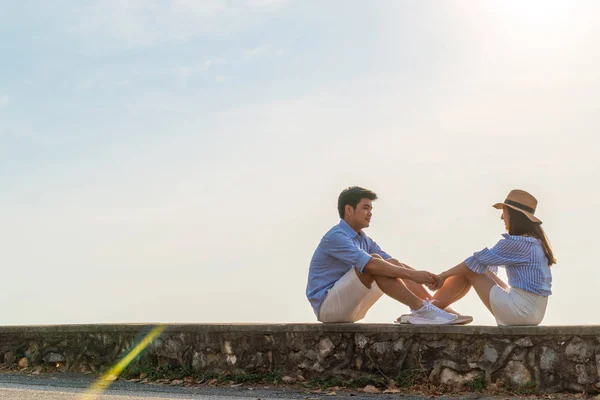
349	299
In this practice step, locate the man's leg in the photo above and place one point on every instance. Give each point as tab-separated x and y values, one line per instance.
460	286
423	312
350	297
419	290
365	278
393	287
396	289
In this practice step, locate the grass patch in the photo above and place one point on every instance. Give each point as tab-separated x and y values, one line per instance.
327	383
153	373
361	382
477	384
410	377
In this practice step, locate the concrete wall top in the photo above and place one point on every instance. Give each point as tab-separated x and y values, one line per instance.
568	330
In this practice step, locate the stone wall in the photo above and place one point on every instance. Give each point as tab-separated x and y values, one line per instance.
540	358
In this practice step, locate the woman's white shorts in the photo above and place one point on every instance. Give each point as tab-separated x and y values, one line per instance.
517	306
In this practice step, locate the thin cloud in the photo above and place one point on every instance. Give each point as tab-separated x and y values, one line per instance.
267	3
184	73
211	63
256	52
18	132
137	23
5	101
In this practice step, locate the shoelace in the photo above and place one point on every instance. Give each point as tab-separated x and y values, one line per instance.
431	307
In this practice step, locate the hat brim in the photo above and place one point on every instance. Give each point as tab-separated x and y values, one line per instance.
529	215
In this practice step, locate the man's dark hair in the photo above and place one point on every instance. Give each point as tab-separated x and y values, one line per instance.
352	196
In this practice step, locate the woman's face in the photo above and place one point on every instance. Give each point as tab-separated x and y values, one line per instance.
505	217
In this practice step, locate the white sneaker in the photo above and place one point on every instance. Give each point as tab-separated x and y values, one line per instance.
461	319
429	315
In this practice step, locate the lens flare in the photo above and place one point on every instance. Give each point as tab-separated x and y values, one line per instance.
105	380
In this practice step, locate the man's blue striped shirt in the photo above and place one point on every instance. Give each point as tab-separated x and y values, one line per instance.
340	250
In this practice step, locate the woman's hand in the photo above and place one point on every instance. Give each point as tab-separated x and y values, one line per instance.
440	279
423	277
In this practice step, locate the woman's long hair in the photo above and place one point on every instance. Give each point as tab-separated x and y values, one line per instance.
519	224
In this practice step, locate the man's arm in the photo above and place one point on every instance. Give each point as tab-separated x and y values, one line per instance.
414	287
379	267
374	248
398	263
342	248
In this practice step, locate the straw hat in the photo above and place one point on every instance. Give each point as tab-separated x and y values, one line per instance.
521	201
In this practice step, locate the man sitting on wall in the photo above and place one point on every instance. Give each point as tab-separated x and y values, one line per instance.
349	272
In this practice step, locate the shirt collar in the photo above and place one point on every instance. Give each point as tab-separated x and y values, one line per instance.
520	238
346	228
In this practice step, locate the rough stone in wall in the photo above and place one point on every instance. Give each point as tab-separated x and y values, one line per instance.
542	358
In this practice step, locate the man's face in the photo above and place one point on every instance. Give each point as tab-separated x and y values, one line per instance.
361	217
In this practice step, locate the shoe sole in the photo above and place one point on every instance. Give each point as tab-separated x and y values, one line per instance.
420	321
424	321
463	320
460	320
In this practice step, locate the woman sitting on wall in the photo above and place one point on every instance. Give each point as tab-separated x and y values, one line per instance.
526	254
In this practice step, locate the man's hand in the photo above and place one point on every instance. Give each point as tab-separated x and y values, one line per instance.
424	278
440	279
433	286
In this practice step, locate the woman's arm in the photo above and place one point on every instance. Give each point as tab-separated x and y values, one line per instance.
496	279
503	253
460	269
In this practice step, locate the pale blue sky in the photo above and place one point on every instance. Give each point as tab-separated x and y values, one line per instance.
179	160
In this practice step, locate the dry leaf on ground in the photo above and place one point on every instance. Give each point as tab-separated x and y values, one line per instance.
370	389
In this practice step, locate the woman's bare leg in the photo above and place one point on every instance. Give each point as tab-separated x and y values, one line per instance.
454	288
482	283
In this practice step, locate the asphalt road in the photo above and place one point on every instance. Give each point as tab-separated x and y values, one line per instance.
66	386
